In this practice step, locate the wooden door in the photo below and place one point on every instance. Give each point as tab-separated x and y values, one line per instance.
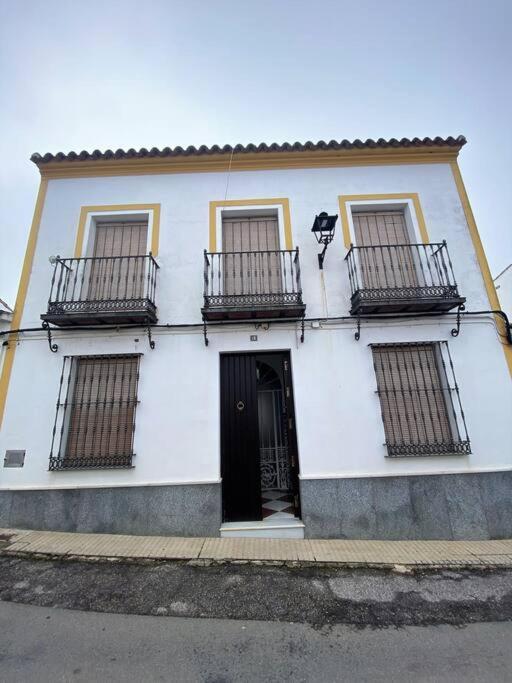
240	459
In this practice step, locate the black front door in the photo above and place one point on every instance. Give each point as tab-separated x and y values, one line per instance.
241	487
258	440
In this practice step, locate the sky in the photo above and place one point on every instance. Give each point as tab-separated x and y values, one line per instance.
105	74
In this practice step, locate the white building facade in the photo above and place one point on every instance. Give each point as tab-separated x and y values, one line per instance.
503	283
5	324
357	400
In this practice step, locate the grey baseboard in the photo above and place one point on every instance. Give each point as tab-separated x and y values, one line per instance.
443	506
183	510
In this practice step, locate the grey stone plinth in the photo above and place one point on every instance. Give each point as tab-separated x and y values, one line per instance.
469	506
184	510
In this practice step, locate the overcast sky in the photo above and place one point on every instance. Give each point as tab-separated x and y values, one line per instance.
86	74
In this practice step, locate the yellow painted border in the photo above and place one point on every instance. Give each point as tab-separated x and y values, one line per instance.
21	296
284	202
85	210
343	199
248	161
481	257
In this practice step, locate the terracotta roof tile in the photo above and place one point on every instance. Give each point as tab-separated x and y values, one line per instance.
41	159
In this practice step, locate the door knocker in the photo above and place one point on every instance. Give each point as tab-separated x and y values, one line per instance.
240	405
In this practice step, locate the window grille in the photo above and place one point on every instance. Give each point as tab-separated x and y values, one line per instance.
95	416
420	400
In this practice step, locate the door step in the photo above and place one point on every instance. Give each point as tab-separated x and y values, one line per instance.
289	528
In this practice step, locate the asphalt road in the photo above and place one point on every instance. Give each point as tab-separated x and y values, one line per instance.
50	644
318	596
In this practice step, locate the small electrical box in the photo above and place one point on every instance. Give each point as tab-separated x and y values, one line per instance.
14	458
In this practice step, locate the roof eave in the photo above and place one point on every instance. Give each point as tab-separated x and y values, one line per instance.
65	167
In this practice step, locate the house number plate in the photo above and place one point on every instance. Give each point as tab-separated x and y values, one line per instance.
240	405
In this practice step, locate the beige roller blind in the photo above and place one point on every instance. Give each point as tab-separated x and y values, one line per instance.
118	278
412	395
384	267
255	265
104	397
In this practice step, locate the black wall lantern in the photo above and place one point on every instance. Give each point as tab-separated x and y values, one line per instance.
323	228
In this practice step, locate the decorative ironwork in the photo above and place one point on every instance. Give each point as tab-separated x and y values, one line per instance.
420	401
53	347
95	412
357	333
401	277
273	436
102	289
456	330
275	469
150	338
252	284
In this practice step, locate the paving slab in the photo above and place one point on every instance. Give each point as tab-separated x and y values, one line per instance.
364	552
265	549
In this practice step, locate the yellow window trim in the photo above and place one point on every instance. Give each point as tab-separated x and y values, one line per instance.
247	162
481	257
21	296
344	199
86	210
272	201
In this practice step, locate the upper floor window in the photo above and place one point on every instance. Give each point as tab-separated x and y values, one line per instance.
117	266
389	259
392	266
252	260
252	276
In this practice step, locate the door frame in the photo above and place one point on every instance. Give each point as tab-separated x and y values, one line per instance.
289	402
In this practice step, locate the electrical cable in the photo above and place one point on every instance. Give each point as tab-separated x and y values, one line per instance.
347	318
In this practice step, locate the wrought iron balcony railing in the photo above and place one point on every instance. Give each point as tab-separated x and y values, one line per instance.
401	277
102	290
252	284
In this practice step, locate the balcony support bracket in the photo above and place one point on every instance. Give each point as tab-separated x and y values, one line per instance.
150	338
302	330
205	333
456	330
53	347
357	334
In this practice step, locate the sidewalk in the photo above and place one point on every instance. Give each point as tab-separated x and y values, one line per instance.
205	550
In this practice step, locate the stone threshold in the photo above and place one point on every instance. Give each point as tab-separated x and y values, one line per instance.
386	554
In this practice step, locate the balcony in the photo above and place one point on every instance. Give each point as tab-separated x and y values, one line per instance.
401	278
106	290
252	285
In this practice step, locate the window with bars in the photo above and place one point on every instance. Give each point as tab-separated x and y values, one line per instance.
420	400
95	416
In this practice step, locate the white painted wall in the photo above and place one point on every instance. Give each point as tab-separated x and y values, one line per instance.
339	427
504	288
5	324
